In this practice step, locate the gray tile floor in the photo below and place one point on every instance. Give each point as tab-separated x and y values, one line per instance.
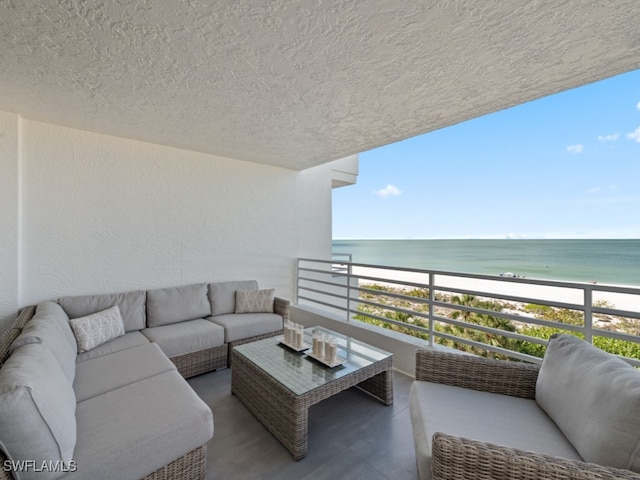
351	436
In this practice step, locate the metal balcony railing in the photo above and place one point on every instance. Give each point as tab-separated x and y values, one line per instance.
497	316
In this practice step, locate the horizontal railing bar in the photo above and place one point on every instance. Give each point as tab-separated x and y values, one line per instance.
391	294
323	282
483	328
511	298
515	318
383	306
615	335
615	312
333	273
410	326
491	348
320	302
390	280
322	292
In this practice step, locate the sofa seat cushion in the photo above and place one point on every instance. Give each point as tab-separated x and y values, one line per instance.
223	295
108	372
238	326
131	304
177	304
594	397
487	417
128	340
37	409
133	431
185	337
50	326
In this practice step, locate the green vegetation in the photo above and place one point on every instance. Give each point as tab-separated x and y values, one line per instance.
477	313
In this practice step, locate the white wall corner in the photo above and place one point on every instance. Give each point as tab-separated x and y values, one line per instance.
344	171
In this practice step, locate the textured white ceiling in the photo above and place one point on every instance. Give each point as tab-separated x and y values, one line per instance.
298	83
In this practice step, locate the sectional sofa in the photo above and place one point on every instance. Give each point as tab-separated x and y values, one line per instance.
93	387
575	417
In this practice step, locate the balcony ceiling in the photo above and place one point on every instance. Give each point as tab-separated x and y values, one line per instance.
298	83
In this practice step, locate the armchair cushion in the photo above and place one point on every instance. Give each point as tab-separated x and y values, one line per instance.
594	397
474	414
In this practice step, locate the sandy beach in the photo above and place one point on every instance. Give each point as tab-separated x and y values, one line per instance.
621	301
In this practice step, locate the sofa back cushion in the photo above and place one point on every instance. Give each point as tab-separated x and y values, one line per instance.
50	326
223	295
177	304
594	398
37	409
131	304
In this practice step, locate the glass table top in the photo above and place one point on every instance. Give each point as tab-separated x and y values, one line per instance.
302	374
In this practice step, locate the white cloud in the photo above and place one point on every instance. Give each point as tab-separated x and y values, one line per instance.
635	135
610	188
388	191
638	106
575	148
612	137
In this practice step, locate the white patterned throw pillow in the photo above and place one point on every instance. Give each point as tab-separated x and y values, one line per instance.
255	301
98	328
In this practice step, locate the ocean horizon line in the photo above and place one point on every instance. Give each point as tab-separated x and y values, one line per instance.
342	239
605	261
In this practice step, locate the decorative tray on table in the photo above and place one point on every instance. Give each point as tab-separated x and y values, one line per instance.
339	360
304	347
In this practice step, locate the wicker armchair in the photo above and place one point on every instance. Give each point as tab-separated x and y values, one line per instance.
461	458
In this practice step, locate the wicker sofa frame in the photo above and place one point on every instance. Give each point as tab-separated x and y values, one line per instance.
457	458
191	466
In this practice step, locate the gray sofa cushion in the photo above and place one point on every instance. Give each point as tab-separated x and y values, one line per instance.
132	431
50	325
128	340
488	417
177	304
594	397
223	295
238	326
186	337
131	305
37	409
108	372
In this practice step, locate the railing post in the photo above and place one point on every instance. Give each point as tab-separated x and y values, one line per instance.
297	292
588	314
349	272
431	299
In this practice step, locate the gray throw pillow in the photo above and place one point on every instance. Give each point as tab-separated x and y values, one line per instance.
98	328
255	301
594	398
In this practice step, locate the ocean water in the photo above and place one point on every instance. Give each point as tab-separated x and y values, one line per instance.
602	261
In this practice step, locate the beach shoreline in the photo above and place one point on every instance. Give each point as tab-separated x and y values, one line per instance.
502	286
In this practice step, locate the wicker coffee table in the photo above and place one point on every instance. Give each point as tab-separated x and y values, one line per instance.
279	385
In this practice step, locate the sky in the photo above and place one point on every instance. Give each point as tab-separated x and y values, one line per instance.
564	166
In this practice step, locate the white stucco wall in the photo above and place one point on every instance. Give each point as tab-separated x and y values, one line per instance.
9	216
105	214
